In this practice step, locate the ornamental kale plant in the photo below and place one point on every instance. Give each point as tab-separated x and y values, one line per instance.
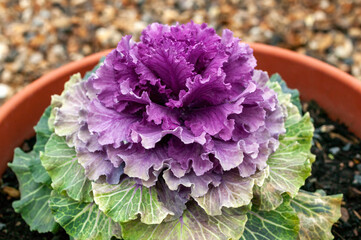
176	136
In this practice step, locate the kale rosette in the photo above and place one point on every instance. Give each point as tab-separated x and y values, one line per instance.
176	136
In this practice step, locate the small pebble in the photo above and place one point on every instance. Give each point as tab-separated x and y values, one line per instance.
345	50
108	36
36	58
347	147
342	165
45	14
57	53
6	77
357	180
2	226
5	90
324	4
11	192
4	51
78	2
334	150
327	128
344	214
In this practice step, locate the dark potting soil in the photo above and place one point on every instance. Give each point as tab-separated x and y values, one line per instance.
336	170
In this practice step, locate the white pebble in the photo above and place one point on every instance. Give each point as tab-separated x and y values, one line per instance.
344	50
108	36
36	58
4	90
4	51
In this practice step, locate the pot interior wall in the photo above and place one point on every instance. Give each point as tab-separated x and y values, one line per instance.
338	93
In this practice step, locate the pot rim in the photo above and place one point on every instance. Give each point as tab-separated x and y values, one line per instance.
311	62
47	78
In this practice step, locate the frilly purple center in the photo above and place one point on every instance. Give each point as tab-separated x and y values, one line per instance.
183	103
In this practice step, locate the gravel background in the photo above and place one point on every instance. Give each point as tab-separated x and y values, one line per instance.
37	36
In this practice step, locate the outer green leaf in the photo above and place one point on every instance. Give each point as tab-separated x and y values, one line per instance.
66	173
290	165
39	174
194	224
124	201
33	205
42	136
281	223
42	130
83	221
317	213
295	94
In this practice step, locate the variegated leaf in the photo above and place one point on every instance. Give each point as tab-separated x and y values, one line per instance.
194	224
317	213
83	221
125	201
280	223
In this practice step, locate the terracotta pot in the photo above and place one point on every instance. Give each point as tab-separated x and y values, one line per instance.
335	91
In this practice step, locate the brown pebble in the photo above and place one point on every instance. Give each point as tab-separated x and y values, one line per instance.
25	147
355	32
318	145
18	224
37	41
351	164
11	192
321	42
345	216
342	165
